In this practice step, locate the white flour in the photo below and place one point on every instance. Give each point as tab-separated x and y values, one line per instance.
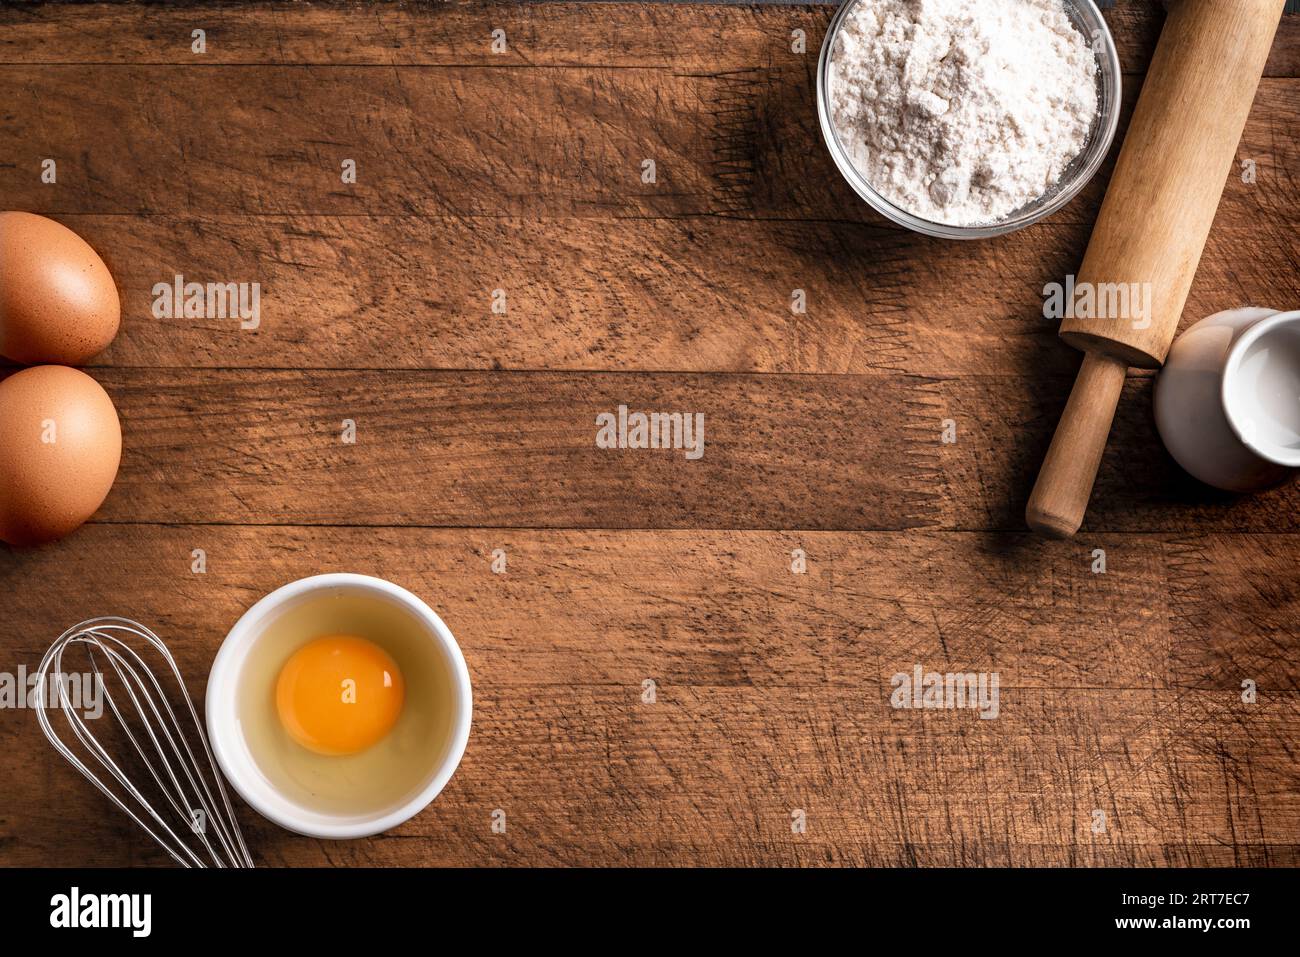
962	111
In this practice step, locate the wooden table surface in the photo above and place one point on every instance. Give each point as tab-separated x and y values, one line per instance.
521	171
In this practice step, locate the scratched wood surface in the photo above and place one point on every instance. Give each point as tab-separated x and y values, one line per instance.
1121	692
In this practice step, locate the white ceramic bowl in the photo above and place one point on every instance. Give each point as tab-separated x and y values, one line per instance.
232	751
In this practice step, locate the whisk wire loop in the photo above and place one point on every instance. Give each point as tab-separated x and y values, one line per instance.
160	738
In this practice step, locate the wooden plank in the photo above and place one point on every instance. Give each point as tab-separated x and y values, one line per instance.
637	295
771	693
546	34
519	449
722	607
513	449
465	141
710	777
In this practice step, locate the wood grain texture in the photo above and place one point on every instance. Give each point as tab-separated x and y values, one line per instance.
707	295
518	449
553	142
543	34
772	693
475	431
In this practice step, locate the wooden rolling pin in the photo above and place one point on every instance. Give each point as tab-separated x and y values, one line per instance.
1153	225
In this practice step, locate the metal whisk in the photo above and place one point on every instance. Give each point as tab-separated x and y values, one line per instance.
159	738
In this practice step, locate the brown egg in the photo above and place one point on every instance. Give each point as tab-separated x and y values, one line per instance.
60	445
58	302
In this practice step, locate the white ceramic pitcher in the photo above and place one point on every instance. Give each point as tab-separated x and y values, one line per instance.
1228	399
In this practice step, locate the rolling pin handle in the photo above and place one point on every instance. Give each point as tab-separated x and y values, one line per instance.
1064	485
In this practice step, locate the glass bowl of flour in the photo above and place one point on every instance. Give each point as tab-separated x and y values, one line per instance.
966	119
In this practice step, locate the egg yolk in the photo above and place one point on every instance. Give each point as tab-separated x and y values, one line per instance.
339	694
